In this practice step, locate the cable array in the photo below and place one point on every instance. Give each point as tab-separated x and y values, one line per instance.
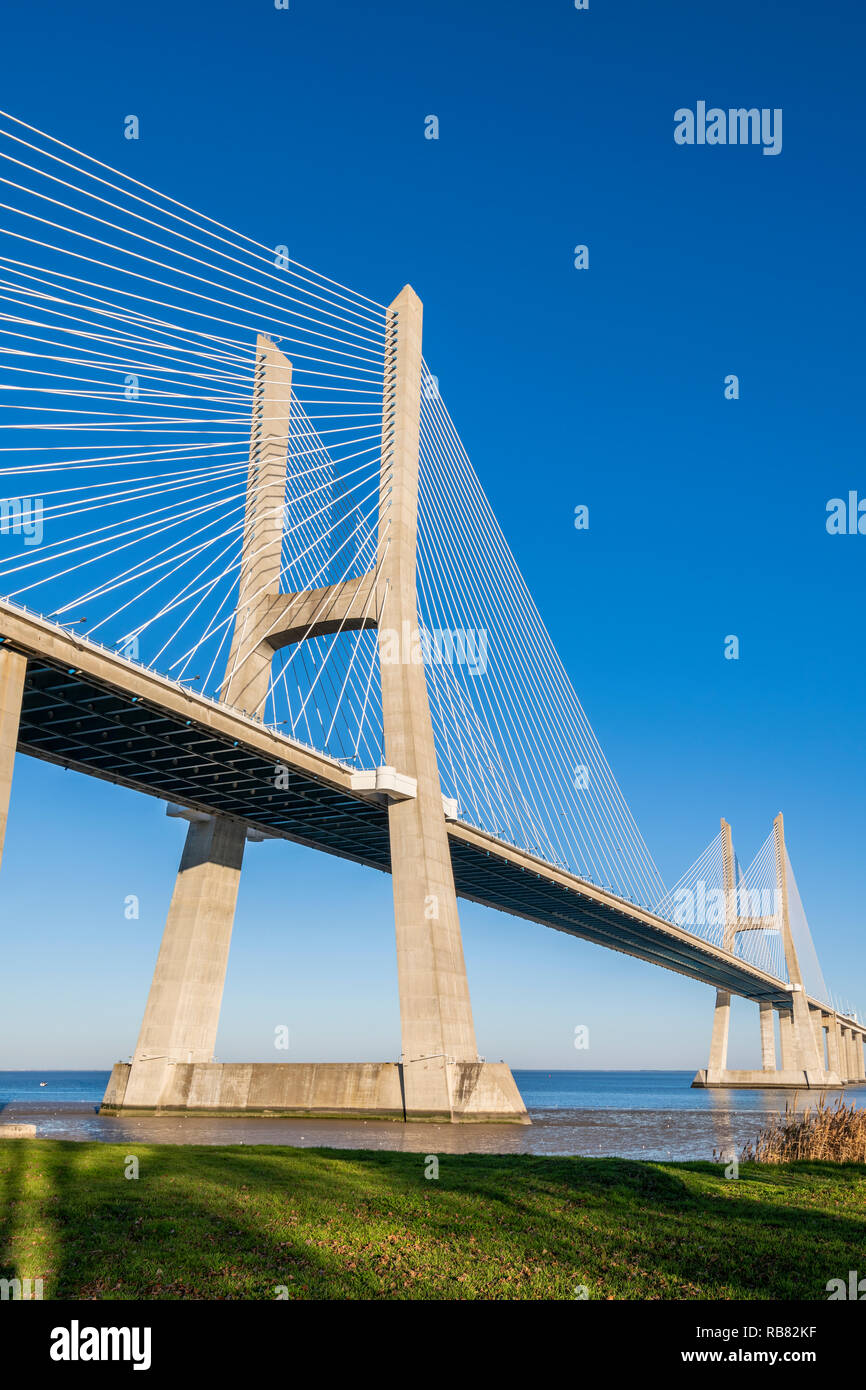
515	747
128	340
697	903
759	910
813	977
128	328
700	904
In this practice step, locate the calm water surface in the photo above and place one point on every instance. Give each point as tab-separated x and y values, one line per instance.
645	1114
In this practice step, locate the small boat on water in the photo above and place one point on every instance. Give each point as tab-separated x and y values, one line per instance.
43	1083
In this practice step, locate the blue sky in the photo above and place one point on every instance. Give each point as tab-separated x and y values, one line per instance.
604	387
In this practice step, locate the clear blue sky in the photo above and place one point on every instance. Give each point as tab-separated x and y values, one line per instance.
604	387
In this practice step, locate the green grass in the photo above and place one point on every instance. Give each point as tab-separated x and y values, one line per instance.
236	1222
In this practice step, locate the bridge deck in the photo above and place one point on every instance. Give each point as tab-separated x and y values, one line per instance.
88	709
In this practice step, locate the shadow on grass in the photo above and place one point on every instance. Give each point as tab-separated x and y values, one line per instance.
12	1159
340	1224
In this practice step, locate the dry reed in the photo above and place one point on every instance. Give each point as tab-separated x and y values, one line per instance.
834	1134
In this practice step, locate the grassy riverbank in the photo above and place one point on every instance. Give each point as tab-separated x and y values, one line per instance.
239	1222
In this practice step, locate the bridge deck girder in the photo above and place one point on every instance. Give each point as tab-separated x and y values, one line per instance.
75	717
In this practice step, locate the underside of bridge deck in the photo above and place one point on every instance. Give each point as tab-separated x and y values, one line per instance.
494	880
72	719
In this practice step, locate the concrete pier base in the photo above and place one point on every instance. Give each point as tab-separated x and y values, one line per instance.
767	1080
477	1091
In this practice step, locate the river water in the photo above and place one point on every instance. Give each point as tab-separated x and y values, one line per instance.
628	1114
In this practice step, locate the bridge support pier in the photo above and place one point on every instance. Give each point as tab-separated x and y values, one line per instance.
853	1055
834	1059
443	1075
719	1041
768	1038
818	1027
183	1007
440	1075
805	1042
786	1040
793	1074
13	669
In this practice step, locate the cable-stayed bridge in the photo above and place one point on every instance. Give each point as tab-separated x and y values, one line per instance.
247	566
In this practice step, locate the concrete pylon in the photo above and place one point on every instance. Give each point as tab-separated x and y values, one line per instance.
182	1012
834	1050
818	1027
805	1045
248	669
718	1062
768	1038
441	1075
13	670
845	1047
719	1041
441	1067
787	1044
